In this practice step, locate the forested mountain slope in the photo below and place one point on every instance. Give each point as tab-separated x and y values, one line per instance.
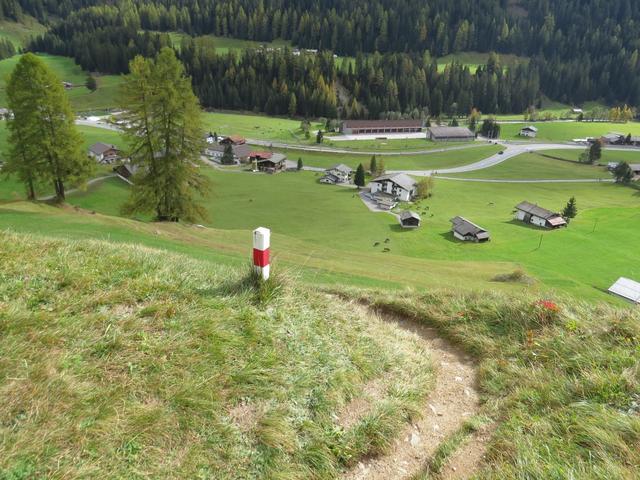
581	49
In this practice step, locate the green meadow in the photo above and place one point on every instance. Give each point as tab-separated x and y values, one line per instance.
475	59
259	127
20	32
425	161
567	131
537	166
328	226
82	99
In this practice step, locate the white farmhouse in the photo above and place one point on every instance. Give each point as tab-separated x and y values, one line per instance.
529	131
529	213
337	174
400	186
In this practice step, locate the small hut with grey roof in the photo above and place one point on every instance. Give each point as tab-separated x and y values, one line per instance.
530	213
468	231
409	219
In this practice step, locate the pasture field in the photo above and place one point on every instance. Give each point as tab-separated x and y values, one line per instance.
475	59
227	44
567	131
259	127
535	166
19	33
10	190
82	99
385	145
427	161
578	260
631	156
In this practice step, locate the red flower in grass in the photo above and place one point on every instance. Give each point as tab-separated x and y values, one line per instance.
547	310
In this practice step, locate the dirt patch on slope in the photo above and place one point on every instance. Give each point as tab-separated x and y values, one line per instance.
453	400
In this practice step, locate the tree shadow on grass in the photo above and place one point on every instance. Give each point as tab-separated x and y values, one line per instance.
449	237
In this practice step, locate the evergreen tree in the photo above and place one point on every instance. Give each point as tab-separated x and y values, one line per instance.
227	155
319	136
300	164
381	168
623	173
91	83
44	144
570	210
373	165
293	105
359	178
595	151
164	130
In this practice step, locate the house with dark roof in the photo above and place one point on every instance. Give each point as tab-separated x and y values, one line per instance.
450	134
468	231
613	138
530	213
409	219
380	127
399	186
125	171
268	162
104	153
337	174
233	140
241	152
529	131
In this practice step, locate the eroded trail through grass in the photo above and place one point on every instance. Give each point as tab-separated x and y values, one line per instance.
453	401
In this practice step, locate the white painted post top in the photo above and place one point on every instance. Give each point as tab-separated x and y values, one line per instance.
261	238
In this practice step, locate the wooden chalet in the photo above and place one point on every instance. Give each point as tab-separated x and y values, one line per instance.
530	213
468	231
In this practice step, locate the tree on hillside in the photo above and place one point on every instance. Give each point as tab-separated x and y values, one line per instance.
44	144
595	152
623	173
571	209
91	83
359	178
381	169
373	165
163	126
425	188
300	164
227	155
490	128
293	105
319	136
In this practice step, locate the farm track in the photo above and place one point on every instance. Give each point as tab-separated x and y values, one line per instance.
453	401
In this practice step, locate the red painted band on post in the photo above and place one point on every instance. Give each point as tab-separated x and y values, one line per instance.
260	257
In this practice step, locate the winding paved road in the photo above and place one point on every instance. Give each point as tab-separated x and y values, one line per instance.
510	150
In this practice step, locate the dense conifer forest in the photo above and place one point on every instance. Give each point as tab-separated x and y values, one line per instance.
578	50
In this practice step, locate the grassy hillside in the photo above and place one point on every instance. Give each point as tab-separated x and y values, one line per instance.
560	380
19	33
130	363
319	215
423	161
540	166
567	131
82	99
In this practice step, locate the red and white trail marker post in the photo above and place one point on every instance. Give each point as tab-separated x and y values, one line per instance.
261	244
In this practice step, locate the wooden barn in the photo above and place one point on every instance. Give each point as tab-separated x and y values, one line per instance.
409	219
468	231
530	213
